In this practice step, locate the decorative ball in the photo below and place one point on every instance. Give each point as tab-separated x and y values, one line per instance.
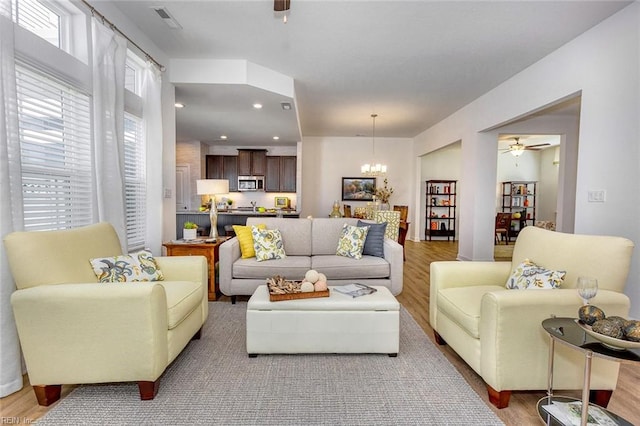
320	285
311	276
517	215
322	277
618	320
608	328
632	331
589	314
306	287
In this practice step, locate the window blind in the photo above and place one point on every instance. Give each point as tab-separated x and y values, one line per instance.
135	182
55	134
37	18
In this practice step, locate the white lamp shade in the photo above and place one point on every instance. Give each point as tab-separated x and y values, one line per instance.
212	186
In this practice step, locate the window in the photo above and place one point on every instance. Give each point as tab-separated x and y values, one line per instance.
135	182
55	134
39	19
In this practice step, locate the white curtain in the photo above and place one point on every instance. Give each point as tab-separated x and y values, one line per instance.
109	56
11	218
152	96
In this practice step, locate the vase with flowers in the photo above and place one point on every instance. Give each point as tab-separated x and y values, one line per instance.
384	194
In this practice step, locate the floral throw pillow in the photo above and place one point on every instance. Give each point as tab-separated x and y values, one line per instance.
267	244
529	276
140	266
351	242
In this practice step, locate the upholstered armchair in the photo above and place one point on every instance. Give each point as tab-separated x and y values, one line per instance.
498	332
75	330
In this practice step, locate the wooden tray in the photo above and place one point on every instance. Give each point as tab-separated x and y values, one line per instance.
293	296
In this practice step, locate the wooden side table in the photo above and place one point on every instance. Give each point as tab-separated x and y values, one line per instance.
196	248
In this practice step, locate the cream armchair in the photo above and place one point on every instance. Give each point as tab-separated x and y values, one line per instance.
498	332
75	330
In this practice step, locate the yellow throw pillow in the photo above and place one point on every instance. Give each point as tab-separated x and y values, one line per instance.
246	239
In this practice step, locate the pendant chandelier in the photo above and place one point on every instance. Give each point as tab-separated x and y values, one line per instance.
373	168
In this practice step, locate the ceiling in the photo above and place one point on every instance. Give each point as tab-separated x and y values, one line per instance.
411	62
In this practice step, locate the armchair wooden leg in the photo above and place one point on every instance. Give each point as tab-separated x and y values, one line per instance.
47	394
148	390
499	399
198	335
600	397
439	339
233	300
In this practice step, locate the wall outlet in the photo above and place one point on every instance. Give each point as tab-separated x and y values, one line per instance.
597	196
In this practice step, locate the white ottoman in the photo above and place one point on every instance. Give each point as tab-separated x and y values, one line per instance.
334	324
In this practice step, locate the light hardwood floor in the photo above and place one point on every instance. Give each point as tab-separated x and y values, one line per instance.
415	298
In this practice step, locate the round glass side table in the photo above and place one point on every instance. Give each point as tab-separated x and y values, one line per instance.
567	332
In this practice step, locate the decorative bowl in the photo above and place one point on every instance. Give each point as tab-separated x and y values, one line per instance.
610	342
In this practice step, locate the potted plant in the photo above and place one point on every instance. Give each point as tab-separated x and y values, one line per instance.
189	231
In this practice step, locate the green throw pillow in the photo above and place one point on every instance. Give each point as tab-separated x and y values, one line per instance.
267	244
529	276
351	242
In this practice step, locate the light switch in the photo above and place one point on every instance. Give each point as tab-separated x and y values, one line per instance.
597	196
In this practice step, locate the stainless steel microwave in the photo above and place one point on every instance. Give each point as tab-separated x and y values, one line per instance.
250	183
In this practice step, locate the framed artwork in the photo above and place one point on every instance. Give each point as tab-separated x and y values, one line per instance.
358	188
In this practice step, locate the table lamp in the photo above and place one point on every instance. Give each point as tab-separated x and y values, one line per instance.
212	187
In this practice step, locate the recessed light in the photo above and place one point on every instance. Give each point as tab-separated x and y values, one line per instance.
275	138
257	106
179	105
285	106
223	137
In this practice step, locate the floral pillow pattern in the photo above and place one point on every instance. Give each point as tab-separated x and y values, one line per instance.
351	242
529	276
140	266
267	244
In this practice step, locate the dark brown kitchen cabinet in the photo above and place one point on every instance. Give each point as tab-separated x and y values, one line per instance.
280	174
288	173
272	175
223	167
252	162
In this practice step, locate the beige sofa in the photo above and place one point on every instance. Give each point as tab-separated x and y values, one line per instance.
498	332
74	330
308	244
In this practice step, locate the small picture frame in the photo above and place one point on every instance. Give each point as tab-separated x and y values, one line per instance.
358	188
281	202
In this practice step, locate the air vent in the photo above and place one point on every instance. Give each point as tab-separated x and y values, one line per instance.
167	18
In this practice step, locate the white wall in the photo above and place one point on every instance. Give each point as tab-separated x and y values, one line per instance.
326	160
548	185
442	164
603	65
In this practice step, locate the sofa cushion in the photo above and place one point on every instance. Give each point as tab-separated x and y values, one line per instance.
296	233
374	244
462	305
139	266
267	244
345	268
246	239
529	276
351	242
291	267
183	297
326	233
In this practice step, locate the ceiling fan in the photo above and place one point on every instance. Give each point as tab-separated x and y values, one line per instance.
517	149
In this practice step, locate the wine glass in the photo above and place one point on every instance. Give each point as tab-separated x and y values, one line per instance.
587	288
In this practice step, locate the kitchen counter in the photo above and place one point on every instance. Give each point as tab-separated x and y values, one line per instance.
225	217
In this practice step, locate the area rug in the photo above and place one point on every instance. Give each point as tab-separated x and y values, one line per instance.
214	382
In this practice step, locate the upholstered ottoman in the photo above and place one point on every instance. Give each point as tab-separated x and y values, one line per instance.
334	324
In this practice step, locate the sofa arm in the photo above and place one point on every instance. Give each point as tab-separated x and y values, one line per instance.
514	347
187	268
229	253
92	333
393	253
449	274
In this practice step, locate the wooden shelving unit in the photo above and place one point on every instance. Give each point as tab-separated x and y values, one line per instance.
519	197
441	209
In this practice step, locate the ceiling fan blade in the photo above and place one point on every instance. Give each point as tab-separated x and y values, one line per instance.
537	145
281	5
